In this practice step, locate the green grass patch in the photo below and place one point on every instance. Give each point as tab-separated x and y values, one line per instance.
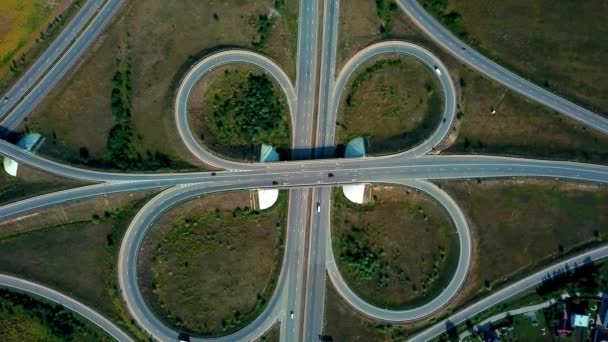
244	109
264	28
451	19
214	273
19	64
291	19
394	102
88	249
386	9
373	253
25	318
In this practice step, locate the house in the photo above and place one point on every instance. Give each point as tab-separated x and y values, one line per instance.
577	320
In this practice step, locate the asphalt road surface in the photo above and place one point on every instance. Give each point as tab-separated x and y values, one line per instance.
201	69
66	301
48	71
308	253
464	237
484	65
510	291
49	56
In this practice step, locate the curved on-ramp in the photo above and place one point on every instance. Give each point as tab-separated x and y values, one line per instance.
127	270
436	303
423	56
197	72
68	302
479	62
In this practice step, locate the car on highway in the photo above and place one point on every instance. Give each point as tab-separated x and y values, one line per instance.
5	99
291	314
437	71
318	207
183	337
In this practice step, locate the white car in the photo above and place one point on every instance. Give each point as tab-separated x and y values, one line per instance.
5	100
318	207
437	71
291	315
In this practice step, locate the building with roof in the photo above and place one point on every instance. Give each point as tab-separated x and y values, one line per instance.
579	320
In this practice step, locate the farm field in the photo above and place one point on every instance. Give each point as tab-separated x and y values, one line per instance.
26	28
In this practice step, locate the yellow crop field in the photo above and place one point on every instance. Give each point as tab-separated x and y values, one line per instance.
21	22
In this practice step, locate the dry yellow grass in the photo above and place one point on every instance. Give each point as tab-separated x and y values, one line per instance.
20	25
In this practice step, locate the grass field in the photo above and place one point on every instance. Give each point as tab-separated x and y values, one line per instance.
25	318
209	266
519	127
77	258
539	39
395	103
272	335
182	33
360	26
234	110
518	225
26	28
343	324
398	251
31	182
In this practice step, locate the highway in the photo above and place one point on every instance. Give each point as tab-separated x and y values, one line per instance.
308	249
484	65
49	56
299	199
46	72
314	305
51	295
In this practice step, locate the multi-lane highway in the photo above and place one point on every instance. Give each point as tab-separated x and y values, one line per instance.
308	253
38	81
